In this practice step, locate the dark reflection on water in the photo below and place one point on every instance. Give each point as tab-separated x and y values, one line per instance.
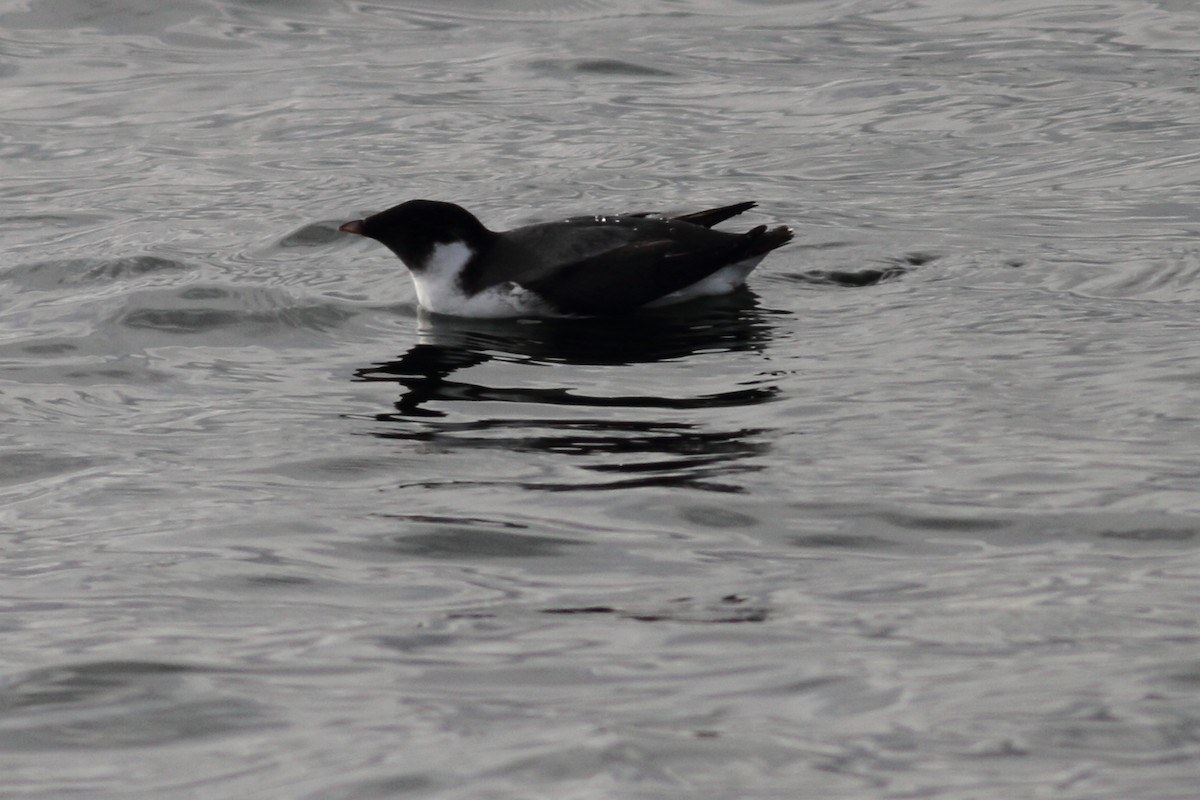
671	454
731	324
656	451
433	385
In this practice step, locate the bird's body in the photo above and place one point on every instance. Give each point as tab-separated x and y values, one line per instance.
579	266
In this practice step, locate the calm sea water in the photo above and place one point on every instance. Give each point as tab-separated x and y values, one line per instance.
915	516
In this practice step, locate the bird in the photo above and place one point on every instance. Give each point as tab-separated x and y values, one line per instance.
600	265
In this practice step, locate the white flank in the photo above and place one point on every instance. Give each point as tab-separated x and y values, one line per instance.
723	281
439	290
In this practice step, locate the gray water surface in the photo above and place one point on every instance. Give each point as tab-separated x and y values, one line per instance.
916	515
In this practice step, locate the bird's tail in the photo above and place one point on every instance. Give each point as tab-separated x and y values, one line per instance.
764	241
715	216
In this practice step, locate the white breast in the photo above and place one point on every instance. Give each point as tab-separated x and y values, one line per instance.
439	289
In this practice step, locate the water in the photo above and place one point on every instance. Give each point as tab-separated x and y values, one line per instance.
916	516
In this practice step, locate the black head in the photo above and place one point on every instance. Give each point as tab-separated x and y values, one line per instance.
410	230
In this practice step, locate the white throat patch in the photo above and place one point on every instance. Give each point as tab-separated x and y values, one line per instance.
439	289
437	285
449	257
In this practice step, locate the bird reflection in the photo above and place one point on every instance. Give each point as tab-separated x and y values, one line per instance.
448	345
652	446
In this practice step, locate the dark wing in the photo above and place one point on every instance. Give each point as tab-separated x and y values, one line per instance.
713	216
629	277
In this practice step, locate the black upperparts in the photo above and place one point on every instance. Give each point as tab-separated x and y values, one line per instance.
627	278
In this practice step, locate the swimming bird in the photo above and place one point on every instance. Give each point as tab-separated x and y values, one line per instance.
581	266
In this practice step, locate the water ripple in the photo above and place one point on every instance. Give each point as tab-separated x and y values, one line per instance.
103	705
916	507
